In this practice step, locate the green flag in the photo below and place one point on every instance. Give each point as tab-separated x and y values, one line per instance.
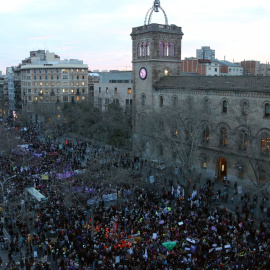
169	245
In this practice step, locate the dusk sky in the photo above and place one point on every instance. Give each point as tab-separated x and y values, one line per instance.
98	31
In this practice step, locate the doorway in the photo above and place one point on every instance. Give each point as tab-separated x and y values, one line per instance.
222	168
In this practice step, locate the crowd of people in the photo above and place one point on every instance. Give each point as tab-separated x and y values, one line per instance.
142	229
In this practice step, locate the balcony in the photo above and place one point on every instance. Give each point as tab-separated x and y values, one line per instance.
78	93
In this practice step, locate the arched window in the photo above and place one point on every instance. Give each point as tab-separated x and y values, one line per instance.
147	48
265	144
143	97
245	107
224	106
205	135
139	50
206	105
223	138
143	49
267	110
243	140
161	101
172	49
204	162
161	48
174	100
167	49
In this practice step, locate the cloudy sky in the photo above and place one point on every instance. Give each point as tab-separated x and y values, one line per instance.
98	31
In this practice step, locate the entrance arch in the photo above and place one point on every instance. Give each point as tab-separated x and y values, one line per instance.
222	168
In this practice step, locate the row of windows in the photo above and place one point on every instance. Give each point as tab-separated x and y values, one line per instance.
58	99
143	49
52	91
165	49
224	104
223	140
64	77
107	102
53	70
115	90
57	84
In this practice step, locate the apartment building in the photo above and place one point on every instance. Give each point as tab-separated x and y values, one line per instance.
47	83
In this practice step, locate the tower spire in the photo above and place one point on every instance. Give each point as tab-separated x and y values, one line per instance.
155	8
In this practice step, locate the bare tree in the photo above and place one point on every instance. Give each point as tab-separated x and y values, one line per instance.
176	132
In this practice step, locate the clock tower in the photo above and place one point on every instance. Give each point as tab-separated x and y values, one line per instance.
156	52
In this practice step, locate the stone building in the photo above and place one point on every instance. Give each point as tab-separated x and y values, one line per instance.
236	142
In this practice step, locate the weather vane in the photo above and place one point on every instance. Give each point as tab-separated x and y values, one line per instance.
155	8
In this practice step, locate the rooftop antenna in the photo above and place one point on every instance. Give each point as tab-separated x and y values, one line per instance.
155	8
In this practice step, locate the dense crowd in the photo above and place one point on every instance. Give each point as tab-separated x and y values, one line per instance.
146	230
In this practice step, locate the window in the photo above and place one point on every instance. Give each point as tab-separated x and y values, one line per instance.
143	49
107	90
147	48
115	90
161	48
161	101
58	116
166	50
72	91
224	106
174	100
223	139
129	91
64	70
172	49
65	90
78	77
267	110
243	140
143	97
57	77
107	101
35	77
204	162
35	99
82	83
215	69
83	77
244	107
206	105
51	77
65	99
99	90
46	77
83	97
64	77
40	84
40	77
265	145
139	49
57	91
35	91
205	135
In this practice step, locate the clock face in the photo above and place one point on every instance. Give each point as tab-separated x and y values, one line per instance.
143	73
